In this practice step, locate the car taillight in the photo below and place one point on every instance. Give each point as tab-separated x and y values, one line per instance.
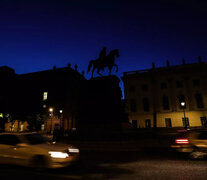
182	141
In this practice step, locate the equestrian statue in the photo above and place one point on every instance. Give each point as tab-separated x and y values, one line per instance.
104	61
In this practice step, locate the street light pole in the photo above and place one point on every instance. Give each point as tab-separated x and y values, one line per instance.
61	117
51	114
183	106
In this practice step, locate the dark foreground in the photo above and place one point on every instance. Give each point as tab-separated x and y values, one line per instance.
154	164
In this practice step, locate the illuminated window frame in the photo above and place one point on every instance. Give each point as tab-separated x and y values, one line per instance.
45	95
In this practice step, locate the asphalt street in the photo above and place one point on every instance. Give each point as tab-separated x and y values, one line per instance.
149	164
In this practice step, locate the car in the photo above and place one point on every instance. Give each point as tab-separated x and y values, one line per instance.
192	142
34	150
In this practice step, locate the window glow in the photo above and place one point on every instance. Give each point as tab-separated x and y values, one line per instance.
45	94
42	127
22	127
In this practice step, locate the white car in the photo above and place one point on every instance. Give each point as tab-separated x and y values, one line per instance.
32	149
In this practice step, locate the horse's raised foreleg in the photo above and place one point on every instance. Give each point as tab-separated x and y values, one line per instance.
92	72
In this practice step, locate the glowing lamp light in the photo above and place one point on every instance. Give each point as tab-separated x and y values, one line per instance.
182	104
61	111
51	109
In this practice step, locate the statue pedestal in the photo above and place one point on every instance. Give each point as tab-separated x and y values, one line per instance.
101	111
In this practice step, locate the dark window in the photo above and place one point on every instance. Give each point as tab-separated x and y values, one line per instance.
134	123
181	98
179	84
199	100
185	122
147	123
196	82
133	105
165	103
168	122
144	87
203	121
163	85
9	139
132	88
146	104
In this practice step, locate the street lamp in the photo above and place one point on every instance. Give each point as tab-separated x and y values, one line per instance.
51	114
61	112
183	107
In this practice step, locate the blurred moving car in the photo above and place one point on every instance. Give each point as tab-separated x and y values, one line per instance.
34	150
193	142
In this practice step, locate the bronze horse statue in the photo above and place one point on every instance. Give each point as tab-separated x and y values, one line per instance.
108	62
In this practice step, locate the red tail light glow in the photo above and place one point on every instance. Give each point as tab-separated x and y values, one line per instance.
182	141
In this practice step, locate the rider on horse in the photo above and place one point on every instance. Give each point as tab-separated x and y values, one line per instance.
102	54
104	61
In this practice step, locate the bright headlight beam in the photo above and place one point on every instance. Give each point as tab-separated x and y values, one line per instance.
58	154
73	150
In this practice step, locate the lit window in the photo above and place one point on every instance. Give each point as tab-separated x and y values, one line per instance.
42	127
22	127
45	96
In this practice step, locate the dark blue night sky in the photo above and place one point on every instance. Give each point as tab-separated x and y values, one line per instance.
38	34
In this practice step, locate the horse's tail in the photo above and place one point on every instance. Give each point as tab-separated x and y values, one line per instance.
89	66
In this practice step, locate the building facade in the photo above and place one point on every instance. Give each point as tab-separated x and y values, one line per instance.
45	100
154	96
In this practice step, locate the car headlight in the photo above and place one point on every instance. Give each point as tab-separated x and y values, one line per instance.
73	150
58	154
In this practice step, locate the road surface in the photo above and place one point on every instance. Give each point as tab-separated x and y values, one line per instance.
118	165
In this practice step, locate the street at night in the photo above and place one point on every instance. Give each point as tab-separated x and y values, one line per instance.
103	90
154	164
